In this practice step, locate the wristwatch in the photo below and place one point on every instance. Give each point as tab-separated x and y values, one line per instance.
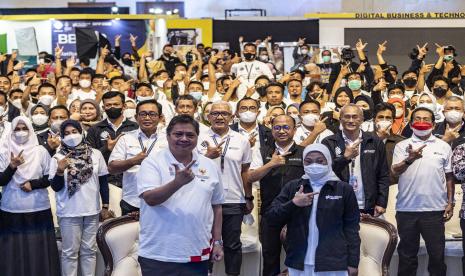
218	242
249	198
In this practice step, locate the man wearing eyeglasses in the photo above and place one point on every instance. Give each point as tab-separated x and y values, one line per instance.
132	148
282	163
232	154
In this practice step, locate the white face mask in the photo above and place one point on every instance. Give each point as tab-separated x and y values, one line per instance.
142	98
218	75
409	93
160	83
46	99
263	58
84	83
39	119
430	106
17	103
304	51
21	137
310	119
129	113
383	125
399	112
421	133
453	116
316	171
205	72
306	81
72	140
396	96
248	116
206	85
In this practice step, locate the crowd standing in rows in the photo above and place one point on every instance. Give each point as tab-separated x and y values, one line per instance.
188	137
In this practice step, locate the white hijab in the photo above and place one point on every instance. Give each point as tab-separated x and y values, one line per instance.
330	176
437	108
32	160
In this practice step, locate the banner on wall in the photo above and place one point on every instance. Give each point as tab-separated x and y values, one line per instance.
388	15
64	33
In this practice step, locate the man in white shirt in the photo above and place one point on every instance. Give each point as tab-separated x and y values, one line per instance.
248	70
181	195
145	92
85	90
132	148
312	130
232	154
426	194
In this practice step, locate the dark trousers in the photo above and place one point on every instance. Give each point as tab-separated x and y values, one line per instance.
430	225
231	233
271	248
462	226
151	267
127	208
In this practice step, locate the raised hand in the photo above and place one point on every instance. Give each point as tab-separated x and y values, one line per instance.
361	68
422	50
451	133
301	41
53	141
63	164
381	48
112	142
414	154
253	139
58	51
380	86
215	151
117	39
439	50
241	39
16	161
184	176
236	58
360	46
140	157
104	51
344	69
301	199
384	132
320	125
14	55
70	62
132	39
351	150
425	68
277	159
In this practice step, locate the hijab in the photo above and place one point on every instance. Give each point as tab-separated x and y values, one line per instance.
40	128
330	175
398	124
339	91
80	168
32	160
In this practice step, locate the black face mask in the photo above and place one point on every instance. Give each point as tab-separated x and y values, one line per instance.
439	92
127	61
367	114
249	56
261	91
410	82
114	112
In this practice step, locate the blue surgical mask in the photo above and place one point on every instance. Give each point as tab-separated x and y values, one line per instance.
196	95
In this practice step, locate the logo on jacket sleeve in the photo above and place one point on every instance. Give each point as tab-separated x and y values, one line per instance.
338	151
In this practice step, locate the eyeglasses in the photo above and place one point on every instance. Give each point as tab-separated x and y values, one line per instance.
217	113
286	128
144	114
247	108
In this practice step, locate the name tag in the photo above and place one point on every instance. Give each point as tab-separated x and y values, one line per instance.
333	197
295	159
369	151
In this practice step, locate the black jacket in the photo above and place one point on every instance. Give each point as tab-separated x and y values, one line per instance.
42	137
13	112
97	134
373	161
264	135
337	219
274	181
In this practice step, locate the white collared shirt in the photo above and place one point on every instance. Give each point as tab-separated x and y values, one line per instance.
115	127
247	72
422	187
238	153
257	160
302	133
129	146
179	228
82	95
285	149
359	191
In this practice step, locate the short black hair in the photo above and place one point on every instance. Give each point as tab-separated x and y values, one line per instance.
144	84
247	99
300	72
5	76
47	84
248	44
353	73
182	119
60	106
408	72
84	60
167	45
113	94
86	71
395	86
152	101
17	90
186	97
297	80
98	76
421	108
180	64
440	78
384	106
278	84
262	77
315	83
310	101
63	77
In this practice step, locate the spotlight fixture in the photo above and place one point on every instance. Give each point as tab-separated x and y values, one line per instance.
169	12
114	9
176	11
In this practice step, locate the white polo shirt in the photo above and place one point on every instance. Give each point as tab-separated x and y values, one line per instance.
237	153
302	133
128	146
422	187
247	72
179	229
257	160
86	201
81	95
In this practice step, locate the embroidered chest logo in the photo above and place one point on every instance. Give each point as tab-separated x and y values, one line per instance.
330	197
104	135
203	175
338	151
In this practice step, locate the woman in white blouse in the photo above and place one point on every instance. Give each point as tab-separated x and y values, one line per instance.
27	234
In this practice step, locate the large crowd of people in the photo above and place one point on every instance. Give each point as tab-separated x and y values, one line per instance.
187	138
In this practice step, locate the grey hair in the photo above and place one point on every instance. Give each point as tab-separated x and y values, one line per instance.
453	99
222	102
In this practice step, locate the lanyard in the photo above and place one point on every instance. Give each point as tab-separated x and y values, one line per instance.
249	71
225	149
151	146
353	178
